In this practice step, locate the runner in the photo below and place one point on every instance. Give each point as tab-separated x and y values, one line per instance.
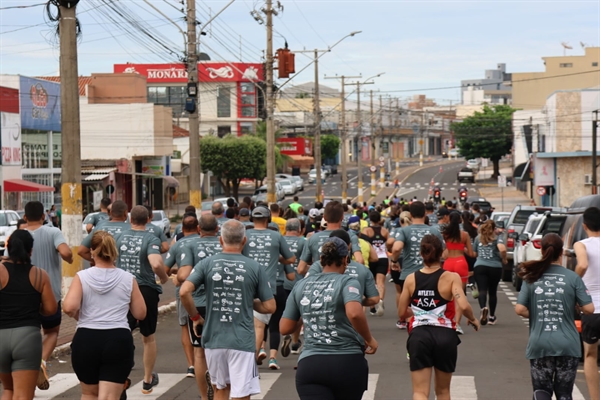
405	220
588	267
196	250
457	242
139	254
99	299
177	232
245	217
115	226
157	231
295	205
554	346
25	295
407	245
50	249
103	215
276	217
431	296
265	246
218	211
378	236
227	332
332	363
467	226
334	214
488	270
430	212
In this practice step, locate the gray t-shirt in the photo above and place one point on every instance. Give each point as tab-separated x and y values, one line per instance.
45	255
354	270
487	255
265	246
156	231
134	248
115	228
201	248
97	218
177	255
411	236
433	219
233	282
312	250
178	229
296	244
320	301
551	303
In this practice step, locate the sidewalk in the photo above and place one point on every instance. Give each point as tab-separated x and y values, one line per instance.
502	199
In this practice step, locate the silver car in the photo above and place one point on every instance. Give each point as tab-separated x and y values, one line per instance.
288	186
299	182
8	224
159	218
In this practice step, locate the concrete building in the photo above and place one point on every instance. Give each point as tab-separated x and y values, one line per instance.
493	89
531	89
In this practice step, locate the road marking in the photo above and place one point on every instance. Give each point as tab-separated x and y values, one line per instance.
266	382
59	383
514	303
167	381
463	388
370	393
512	298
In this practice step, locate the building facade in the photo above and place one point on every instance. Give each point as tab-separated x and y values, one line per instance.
493	89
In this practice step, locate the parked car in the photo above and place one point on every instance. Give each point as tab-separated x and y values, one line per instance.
473	164
260	194
498	216
8	224
288	186
572	229
299	182
485	207
520	242
312	176
466	174
159	218
453	153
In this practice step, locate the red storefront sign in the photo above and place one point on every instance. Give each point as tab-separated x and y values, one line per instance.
9	100
207	72
295	146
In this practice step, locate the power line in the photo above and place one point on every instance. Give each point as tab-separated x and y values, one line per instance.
27	6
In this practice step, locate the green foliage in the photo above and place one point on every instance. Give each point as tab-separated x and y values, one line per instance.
486	134
330	146
261	133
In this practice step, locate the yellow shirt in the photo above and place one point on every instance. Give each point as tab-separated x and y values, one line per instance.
281	223
365	248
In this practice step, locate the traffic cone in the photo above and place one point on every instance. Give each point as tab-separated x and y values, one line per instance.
432	182
441	168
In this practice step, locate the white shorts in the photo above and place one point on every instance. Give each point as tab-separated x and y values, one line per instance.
182	314
264	318
235	368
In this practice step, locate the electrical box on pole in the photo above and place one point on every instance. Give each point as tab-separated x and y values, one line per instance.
285	63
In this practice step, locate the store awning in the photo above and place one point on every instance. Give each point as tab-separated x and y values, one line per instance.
20	185
96	174
95	177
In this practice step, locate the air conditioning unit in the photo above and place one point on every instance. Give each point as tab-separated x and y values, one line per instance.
587	179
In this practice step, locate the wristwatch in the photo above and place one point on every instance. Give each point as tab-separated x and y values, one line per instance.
394	261
196	318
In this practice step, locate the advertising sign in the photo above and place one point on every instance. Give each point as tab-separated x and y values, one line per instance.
154	166
295	146
207	72
544	172
40	104
10	139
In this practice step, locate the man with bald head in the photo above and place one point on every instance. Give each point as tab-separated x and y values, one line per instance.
218	211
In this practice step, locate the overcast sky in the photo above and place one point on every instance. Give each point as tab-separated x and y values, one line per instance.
419	44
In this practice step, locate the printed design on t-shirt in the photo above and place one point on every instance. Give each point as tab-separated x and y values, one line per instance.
227	298
414	243
318	311
428	311
259	244
485	251
549	303
129	253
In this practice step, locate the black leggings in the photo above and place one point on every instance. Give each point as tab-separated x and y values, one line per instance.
332	377
555	374
274	336
487	279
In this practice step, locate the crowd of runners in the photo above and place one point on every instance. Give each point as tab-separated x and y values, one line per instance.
257	281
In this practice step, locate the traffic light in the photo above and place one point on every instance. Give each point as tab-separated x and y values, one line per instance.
285	63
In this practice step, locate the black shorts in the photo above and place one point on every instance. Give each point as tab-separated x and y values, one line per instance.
590	328
343	376
54	320
433	346
396	278
102	355
380	267
148	325
196	334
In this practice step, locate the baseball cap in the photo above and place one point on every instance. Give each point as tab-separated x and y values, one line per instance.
261	212
342	234
353	219
323	223
340	245
244	212
442	212
313	213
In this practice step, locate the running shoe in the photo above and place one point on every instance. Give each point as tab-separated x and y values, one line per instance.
126	386
42	380
401	325
380	309
211	391
262	354
373	311
148	387
273	364
492	320
408	356
285	347
191	373
459	330
295	347
483	318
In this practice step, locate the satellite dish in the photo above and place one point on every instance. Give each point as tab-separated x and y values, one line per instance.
566	45
203	57
582	45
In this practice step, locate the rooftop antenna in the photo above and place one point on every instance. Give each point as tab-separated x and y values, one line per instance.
566	46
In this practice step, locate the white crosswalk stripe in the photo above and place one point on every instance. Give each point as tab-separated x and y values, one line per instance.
59	383
167	381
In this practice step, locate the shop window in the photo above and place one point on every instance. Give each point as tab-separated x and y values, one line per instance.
566	65
168	96
246	128
223	131
595	64
223	102
249	112
248	100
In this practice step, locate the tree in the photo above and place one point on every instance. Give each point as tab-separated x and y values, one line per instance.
486	134
232	159
330	146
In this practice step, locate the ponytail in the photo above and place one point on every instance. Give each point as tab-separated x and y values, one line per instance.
104	247
19	246
552	246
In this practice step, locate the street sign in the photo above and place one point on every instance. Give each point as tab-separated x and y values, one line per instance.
373	168
484	162
501	181
541	191
110	189
382	164
382	159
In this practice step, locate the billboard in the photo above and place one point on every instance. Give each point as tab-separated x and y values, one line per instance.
207	72
295	146
544	172
40	104
10	139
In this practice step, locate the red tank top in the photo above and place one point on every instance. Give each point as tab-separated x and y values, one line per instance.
428	306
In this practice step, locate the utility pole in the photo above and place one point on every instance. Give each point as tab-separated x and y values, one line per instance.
380	127
594	153
271	196
360	146
344	136
192	67
372	131
71	189
317	146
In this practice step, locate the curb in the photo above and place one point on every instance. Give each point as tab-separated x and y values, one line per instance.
66	348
